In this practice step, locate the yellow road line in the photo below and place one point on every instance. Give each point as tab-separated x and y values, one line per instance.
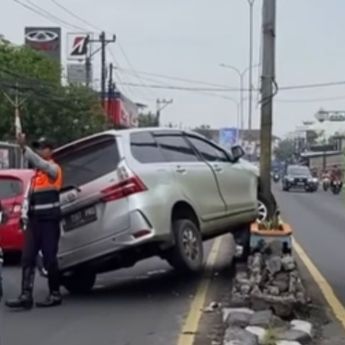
321	281
191	324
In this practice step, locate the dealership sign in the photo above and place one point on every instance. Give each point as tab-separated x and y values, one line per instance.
44	39
333	116
78	46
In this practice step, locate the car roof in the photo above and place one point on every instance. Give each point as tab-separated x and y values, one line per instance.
127	132
23	174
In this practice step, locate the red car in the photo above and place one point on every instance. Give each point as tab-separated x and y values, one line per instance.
13	185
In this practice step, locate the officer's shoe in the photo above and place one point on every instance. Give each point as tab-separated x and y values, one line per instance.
53	300
24	301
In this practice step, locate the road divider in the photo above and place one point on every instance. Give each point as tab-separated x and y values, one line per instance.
191	324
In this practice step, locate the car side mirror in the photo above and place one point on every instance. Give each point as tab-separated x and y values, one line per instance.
237	153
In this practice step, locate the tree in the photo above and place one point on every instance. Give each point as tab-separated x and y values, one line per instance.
62	113
285	150
148	120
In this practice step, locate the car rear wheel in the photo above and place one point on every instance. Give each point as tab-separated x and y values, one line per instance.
188	252
79	282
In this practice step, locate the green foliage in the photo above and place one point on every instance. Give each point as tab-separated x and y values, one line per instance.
286	150
148	120
62	113
270	337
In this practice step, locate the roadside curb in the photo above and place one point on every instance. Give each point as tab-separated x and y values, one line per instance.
324	313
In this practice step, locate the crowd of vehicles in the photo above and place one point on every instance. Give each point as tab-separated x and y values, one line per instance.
137	193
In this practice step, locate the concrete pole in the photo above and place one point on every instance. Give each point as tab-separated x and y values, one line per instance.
250	98
268	78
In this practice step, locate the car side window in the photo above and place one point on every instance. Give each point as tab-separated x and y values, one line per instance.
207	151
145	149
176	149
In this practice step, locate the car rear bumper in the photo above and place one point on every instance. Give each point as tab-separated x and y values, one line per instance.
11	236
139	234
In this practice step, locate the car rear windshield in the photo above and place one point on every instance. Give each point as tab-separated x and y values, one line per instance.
84	162
294	171
9	188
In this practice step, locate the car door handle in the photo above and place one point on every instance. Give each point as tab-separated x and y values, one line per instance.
181	170
217	168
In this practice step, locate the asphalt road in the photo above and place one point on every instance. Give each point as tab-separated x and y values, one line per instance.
318	220
144	305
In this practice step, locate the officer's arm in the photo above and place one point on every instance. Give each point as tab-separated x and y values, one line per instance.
39	163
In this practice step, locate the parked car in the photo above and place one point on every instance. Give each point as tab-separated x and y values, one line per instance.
299	177
145	192
13	184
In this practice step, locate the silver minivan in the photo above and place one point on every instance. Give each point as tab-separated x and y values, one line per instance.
137	193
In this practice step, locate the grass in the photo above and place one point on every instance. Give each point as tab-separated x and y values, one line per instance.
270	337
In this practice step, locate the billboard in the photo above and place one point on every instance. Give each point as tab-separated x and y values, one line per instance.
45	39
78	46
76	73
228	137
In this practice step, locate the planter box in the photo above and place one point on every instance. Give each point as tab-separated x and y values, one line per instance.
259	237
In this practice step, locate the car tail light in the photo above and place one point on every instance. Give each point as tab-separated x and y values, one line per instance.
129	186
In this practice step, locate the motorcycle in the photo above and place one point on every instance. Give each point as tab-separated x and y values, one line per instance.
276	178
326	183
336	186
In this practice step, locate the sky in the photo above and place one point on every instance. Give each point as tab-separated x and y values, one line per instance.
189	39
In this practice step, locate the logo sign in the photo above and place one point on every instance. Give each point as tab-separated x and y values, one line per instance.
333	116
228	137
77	46
44	39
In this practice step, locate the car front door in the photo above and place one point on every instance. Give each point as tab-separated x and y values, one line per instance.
195	179
237	186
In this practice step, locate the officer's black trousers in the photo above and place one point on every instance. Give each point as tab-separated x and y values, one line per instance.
42	234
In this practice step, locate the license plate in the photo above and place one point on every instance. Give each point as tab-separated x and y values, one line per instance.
80	218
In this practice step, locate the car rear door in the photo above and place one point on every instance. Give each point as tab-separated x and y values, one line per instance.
237	186
195	179
90	168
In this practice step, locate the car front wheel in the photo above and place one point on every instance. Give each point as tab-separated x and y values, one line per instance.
188	253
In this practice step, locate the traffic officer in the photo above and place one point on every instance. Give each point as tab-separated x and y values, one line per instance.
43	230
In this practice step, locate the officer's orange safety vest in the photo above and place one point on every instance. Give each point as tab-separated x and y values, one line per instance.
45	198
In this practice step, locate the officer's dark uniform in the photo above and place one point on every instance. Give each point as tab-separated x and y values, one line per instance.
43	231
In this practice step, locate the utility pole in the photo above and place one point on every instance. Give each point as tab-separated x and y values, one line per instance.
16	103
103	42
161	104
268	79
250	100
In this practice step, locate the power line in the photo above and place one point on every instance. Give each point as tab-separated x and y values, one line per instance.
71	13
45	14
312	86
182	88
311	100
163	76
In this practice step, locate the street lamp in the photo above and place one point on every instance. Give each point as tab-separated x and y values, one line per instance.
241	75
237	104
250	102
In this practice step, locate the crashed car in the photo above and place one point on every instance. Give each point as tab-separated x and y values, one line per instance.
299	177
137	193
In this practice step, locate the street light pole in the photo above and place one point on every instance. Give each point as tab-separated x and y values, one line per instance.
250	101
241	75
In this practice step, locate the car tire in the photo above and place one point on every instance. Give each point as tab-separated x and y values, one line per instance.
263	206
187	255
242	238
79	282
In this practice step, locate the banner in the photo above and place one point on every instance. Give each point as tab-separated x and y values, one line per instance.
228	137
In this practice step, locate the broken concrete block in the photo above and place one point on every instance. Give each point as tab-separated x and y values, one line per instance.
258	331
302	326
295	335
262	318
288	263
238	336
285	342
274	264
228	311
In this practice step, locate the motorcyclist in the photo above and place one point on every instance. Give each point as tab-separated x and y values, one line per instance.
336	174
